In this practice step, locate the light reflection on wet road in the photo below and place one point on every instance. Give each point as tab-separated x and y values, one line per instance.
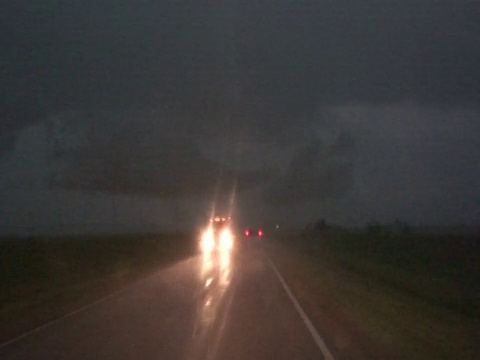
216	276
225	305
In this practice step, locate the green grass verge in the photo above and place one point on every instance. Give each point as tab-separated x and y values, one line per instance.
416	295
43	278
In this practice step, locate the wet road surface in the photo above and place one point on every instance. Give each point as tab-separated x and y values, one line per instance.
228	305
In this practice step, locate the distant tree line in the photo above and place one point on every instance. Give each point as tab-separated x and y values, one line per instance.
373	227
397	227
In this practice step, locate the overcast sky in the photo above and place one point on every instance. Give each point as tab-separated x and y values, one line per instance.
349	110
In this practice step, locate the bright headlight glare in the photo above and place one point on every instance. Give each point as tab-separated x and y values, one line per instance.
226	240
207	243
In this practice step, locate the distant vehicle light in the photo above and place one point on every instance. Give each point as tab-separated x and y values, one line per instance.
247	232
260	233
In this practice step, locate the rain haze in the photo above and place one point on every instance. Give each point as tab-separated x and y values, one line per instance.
125	115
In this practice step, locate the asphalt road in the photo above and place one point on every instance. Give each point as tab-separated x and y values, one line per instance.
223	306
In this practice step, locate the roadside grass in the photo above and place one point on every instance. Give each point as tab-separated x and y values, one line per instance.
416	295
441	270
44	278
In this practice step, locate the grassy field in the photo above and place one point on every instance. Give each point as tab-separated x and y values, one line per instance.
44	278
415	295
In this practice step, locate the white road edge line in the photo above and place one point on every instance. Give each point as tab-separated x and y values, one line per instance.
50	323
316	336
83	308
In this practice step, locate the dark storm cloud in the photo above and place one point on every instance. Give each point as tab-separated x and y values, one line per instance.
135	152
108	53
257	63
252	73
316	172
174	169
7	141
412	162
370	51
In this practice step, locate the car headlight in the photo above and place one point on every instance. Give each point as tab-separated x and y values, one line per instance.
207	242
226	240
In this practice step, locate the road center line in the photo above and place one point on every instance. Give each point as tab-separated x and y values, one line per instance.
316	336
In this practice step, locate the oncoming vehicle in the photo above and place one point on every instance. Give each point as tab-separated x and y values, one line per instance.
218	235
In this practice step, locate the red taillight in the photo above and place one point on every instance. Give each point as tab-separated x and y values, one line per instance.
247	233
260	232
